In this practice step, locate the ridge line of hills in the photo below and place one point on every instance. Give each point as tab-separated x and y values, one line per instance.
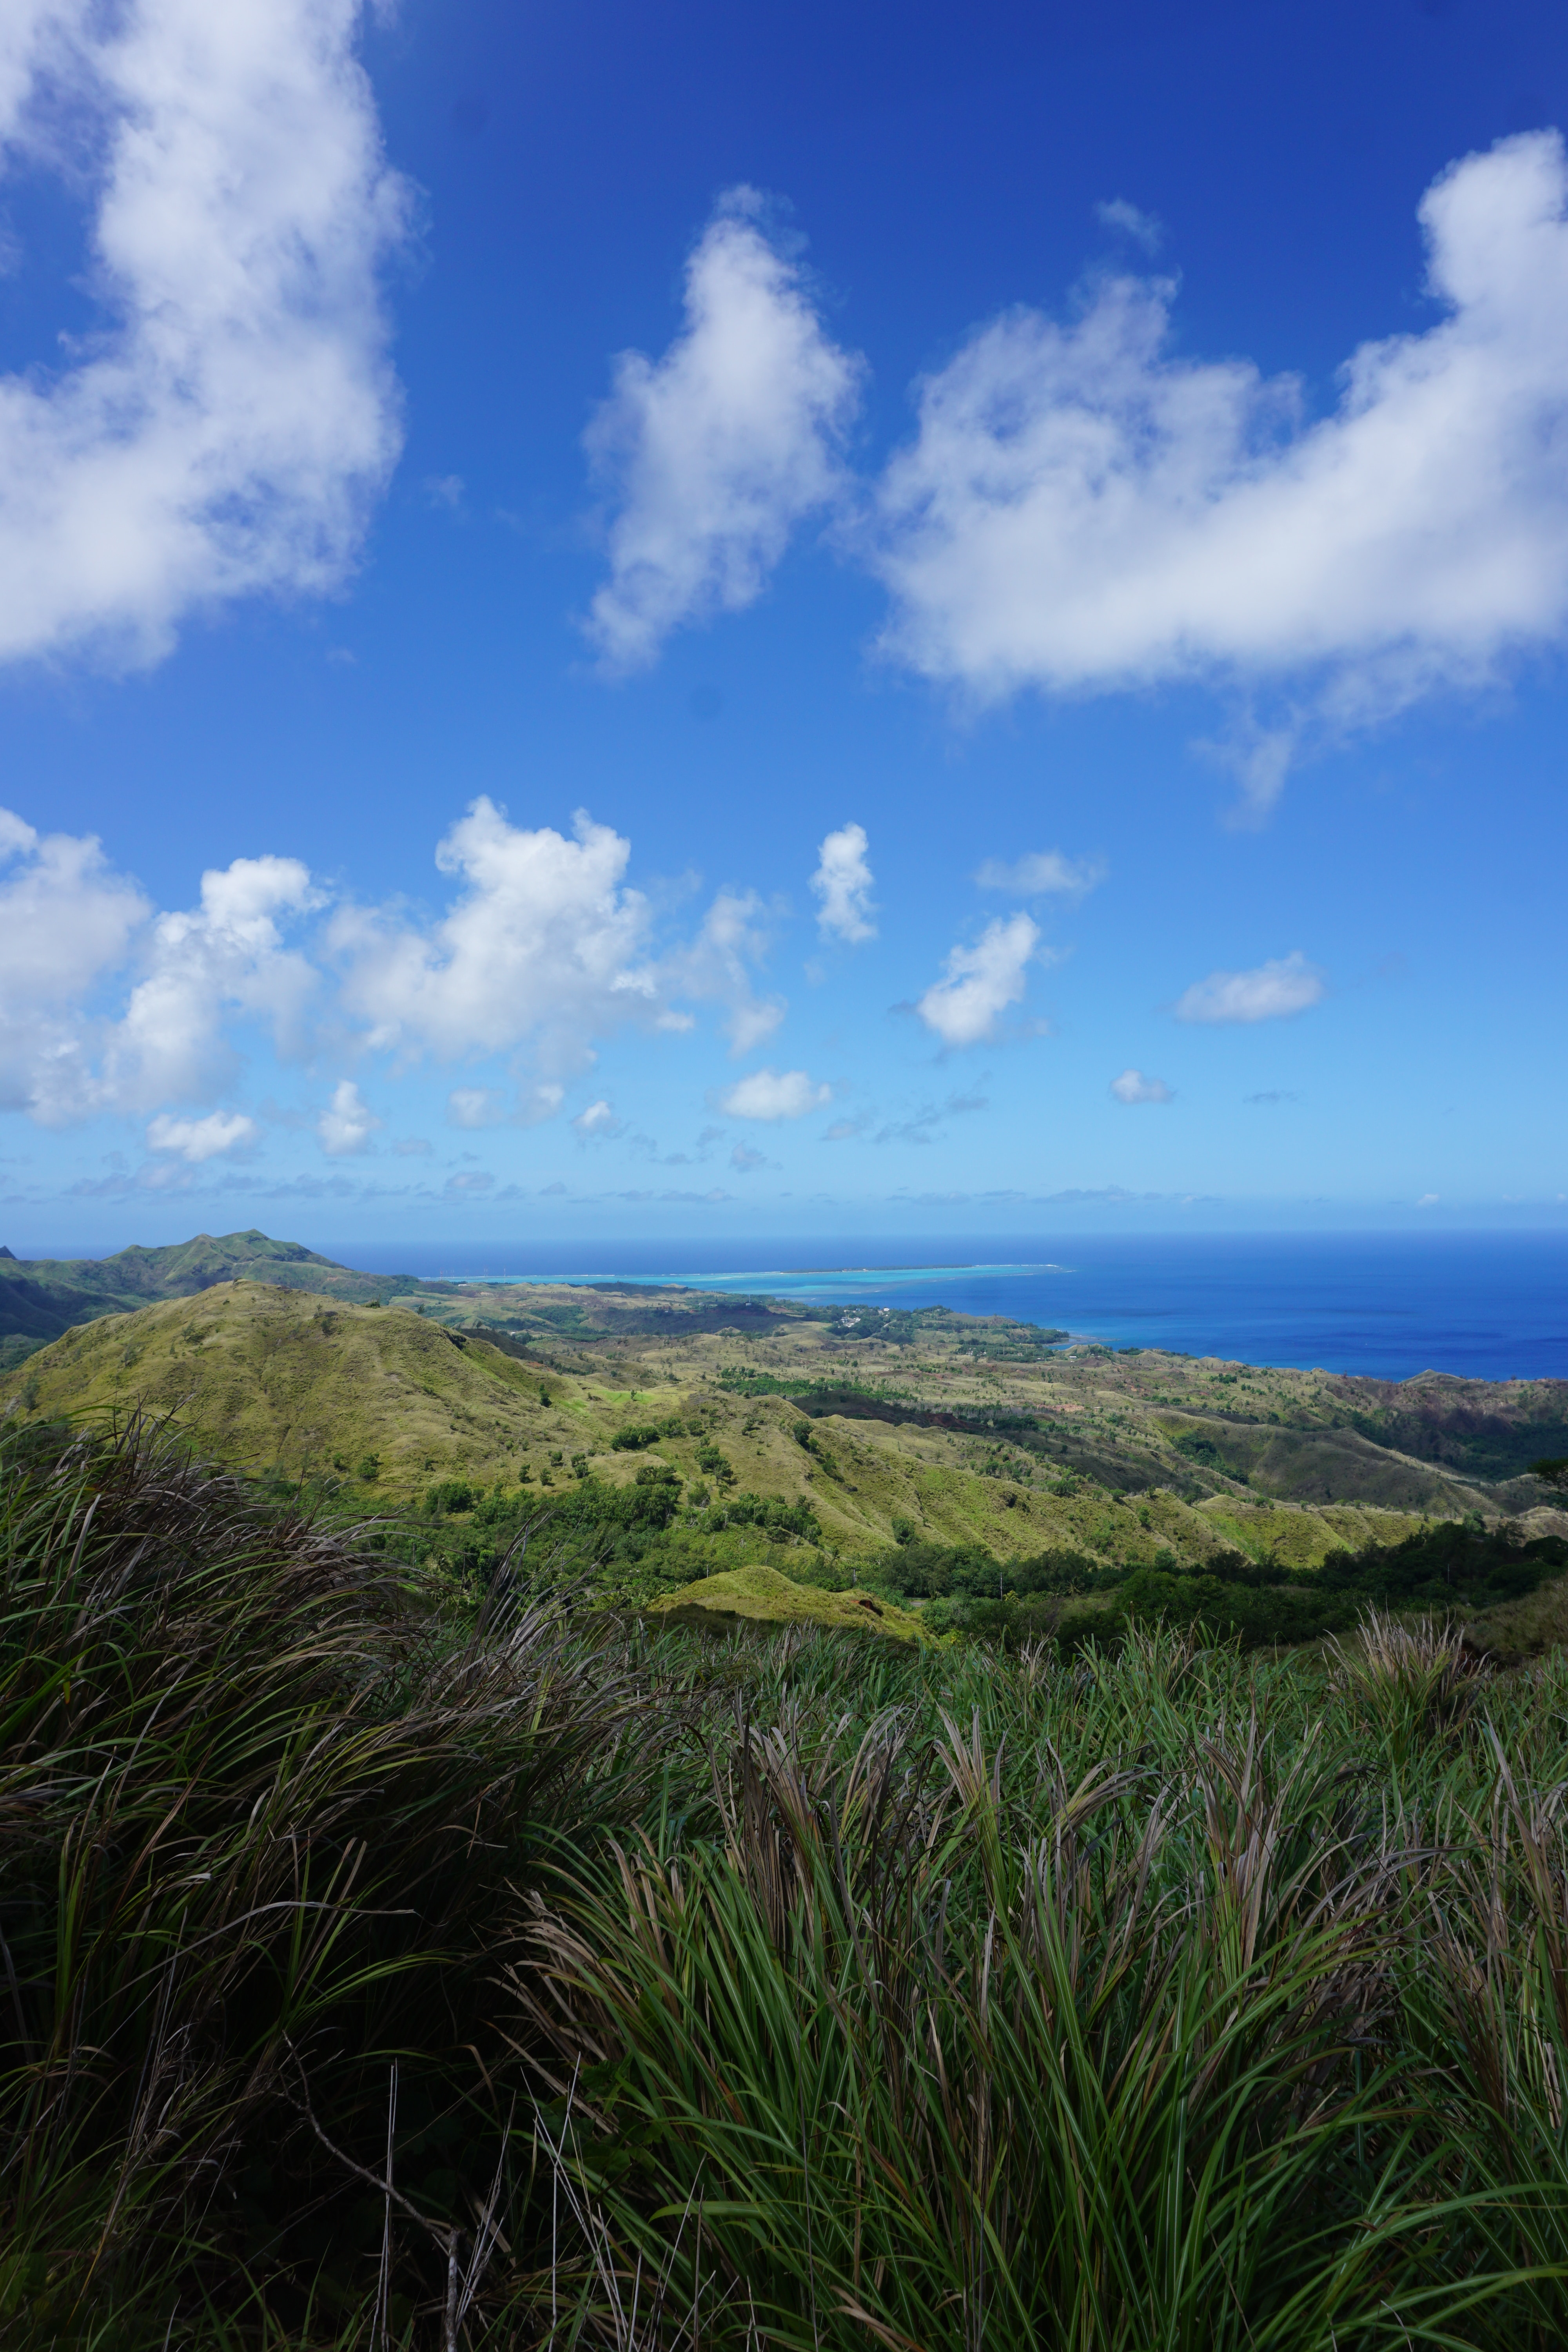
723	1431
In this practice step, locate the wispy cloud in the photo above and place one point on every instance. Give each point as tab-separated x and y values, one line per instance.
1044	873
1137	1086
1130	220
1272	992
476	1106
720	963
925	1125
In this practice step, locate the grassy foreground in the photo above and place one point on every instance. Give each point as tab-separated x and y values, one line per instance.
380	1966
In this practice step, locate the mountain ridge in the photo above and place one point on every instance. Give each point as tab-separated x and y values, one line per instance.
41	1299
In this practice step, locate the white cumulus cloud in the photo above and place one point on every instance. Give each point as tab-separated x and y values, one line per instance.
715	452
347	1124
1083	509
1270	993
774	1094
227	426
842	886
1134	1087
1044	873
981	981
196	1139
110	1007
598	1120
224	957
544	947
67	921
70	928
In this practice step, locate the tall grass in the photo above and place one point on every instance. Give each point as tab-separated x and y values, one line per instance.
376	1970
1097	2013
258	1808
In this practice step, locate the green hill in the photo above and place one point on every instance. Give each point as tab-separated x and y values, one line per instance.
277	1379
285	1381
674	1448
42	1298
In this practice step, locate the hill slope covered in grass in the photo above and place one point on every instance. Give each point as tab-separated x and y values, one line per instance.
284	1382
42	1298
762	1597
387	1964
703	1448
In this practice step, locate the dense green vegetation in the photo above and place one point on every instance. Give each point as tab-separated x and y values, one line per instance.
389	1959
605	1546
1454	1567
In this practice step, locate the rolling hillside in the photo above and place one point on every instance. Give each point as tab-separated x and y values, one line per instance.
273	1379
42	1298
926	1437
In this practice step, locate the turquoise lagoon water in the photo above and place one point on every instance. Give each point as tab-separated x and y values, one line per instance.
1491	1306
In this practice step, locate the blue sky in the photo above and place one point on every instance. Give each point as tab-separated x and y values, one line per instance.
714	622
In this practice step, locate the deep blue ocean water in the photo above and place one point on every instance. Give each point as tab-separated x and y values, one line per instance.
1493	1306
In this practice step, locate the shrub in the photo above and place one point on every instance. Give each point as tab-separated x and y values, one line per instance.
450	1495
631	1440
767	1513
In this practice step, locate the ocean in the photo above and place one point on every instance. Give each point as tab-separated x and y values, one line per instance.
1489	1306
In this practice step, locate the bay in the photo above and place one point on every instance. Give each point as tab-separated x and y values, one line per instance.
1489	1305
